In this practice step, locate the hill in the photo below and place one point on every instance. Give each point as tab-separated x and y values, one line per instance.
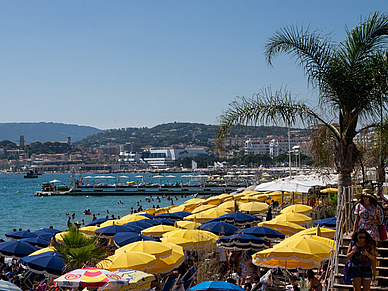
45	131
176	133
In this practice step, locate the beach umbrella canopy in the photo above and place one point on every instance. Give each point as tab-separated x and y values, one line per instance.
157	230
16	249
149	216
238	218
140	225
328	222
307	244
166	265
243	241
112	222
329	190
20	234
219	228
194	200
111	230
287	228
124	238
286	257
297	208
231	204
179	241
89	229
263	232
187	224
283	185
97	221
50	230
216	285
173	216
293	217
128	260
89	277
320	231
131	217
50	263
8	286
253	207
157	249
203	208
136	279
158	221
207	214
36	241
44	250
198	238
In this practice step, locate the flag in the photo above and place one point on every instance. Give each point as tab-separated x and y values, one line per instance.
193	165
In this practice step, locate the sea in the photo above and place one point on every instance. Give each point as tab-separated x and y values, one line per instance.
19	208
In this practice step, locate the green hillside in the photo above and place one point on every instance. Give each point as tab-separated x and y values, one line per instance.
175	133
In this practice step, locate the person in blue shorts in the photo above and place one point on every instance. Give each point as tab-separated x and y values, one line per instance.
361	255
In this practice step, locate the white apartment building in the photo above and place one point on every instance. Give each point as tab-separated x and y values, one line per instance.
275	147
161	157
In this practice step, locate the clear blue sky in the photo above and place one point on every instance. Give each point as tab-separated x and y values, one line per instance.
113	64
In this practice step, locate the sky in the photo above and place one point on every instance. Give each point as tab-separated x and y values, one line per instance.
117	64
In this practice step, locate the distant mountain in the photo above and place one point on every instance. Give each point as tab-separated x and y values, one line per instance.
45	131
179	133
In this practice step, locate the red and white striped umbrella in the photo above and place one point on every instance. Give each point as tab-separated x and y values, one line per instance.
89	277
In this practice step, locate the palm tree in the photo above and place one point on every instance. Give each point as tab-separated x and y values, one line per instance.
350	77
79	250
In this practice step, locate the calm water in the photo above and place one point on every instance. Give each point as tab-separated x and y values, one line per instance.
19	207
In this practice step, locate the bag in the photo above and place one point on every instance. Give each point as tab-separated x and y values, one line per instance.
346	276
382	232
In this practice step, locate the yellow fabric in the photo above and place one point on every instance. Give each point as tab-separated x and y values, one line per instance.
158	230
128	260
187	224
287	228
293	217
253	207
297	208
154	248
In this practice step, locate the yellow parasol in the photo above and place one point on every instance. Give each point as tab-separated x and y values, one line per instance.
286	257
59	236
187	224
208	214
319	231
89	229
203	208
157	249
137	280
111	222
179	241
44	250
329	190
128	260
131	218
246	199
216	200
231	204
293	217
253	207
194	201
287	228
166	265
297	208
199	238
157	230
307	244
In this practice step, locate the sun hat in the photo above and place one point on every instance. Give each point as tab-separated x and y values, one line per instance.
365	192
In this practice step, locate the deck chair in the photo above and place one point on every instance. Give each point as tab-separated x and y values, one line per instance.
186	284
169	282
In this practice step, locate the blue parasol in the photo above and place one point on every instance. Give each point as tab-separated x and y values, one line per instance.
8	286
16	249
236	218
243	241
20	234
173	216
36	241
124	238
111	230
50	263
216	285
219	228
328	222
263	232
97	221
158	221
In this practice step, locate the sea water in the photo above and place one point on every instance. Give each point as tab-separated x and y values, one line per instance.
19	208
